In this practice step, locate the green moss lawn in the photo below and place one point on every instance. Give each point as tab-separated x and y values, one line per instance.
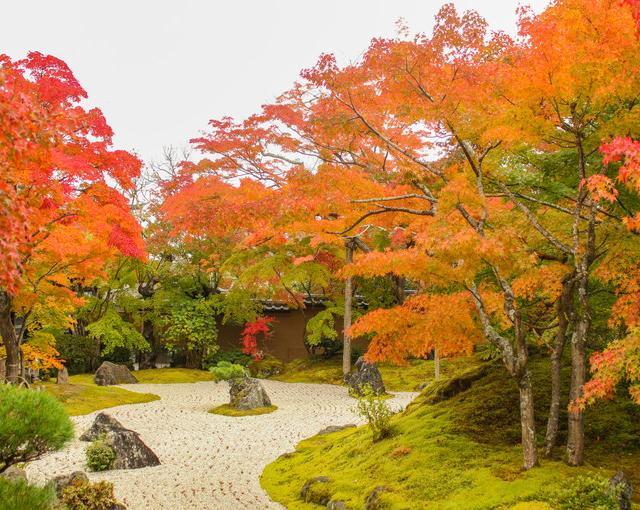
227	410
83	396
458	453
396	378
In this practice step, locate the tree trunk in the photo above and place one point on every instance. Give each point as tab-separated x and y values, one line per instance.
575	439
527	421
148	359
436	363
348	304
193	358
9	338
563	308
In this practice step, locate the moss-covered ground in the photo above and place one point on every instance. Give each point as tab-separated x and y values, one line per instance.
83	396
227	410
396	378
173	376
456	451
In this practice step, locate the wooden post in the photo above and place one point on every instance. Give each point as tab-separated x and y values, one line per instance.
436	363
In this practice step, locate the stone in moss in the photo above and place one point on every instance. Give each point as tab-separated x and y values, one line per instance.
374	499
317	490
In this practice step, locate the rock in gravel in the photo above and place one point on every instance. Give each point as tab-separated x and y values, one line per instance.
131	452
316	490
623	489
365	374
102	424
335	428
14	473
110	373
247	393
63	376
60	483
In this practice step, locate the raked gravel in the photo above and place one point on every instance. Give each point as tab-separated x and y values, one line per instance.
208	461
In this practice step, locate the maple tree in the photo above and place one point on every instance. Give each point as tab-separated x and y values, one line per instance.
60	182
262	326
475	156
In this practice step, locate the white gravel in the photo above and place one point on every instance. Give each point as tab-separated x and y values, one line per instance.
208	461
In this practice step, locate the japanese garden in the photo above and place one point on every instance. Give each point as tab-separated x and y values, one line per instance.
410	280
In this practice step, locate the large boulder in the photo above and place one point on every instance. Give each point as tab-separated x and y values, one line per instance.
110	373
365	374
131	452
63	376
246	393
102	424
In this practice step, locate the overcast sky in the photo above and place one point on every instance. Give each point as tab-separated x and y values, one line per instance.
160	69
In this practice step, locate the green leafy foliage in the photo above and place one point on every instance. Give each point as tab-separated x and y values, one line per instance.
232	356
192	323
32	423
19	495
376	411
81	353
100	455
89	496
225	371
114	332
321	327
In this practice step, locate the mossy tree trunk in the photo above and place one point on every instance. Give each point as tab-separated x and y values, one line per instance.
584	253
575	438
515	355
9	338
527	420
348	308
564	311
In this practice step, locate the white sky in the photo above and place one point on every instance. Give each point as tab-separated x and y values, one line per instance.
161	69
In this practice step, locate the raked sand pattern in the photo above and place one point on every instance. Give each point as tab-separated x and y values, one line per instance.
209	462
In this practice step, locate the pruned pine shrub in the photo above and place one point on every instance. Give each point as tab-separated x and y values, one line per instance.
225	371
32	423
19	495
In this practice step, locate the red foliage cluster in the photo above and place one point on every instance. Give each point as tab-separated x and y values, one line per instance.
252	331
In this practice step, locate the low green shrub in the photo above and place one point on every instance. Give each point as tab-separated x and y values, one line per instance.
580	492
82	353
32	423
19	495
89	496
374	409
266	367
225	371
235	356
100	455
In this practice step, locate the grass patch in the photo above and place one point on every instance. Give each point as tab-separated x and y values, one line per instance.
85	397
396	377
453	451
227	410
